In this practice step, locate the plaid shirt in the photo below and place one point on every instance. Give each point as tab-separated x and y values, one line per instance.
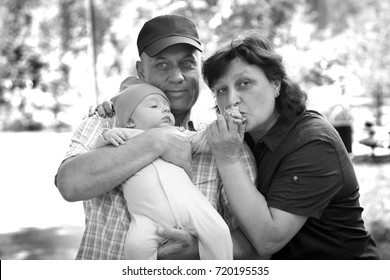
106	216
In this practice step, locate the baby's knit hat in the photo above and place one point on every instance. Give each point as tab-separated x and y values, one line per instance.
133	91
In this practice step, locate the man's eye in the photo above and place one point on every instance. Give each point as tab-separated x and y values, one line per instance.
153	106
162	65
189	64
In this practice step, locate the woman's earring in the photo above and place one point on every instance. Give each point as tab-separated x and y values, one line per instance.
277	94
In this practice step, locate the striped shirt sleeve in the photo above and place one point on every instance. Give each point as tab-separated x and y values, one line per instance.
249	163
87	133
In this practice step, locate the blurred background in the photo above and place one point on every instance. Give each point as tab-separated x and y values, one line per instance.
59	57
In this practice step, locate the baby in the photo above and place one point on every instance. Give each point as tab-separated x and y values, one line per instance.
162	194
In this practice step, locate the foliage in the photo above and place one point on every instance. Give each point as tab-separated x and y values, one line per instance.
39	37
372	51
45	44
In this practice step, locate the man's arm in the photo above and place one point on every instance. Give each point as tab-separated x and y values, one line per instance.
97	171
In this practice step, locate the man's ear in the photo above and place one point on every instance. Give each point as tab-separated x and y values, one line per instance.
130	124
140	70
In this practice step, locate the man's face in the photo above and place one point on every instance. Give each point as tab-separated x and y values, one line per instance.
176	71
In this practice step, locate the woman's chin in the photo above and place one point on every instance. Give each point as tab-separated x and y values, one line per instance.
248	127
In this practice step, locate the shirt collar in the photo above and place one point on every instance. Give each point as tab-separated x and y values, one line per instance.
277	134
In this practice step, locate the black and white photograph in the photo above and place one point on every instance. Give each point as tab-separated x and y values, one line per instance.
239	134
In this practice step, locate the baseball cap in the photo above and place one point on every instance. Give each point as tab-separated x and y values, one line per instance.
133	92
164	31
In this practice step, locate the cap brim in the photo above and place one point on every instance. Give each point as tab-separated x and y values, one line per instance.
161	44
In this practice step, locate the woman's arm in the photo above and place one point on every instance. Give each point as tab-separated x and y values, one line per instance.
243	249
268	229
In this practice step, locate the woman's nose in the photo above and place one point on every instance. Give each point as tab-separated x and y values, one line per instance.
233	98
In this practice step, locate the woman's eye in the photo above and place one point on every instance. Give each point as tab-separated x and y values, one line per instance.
220	91
153	106
245	83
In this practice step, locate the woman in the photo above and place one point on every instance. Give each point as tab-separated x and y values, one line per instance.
305	204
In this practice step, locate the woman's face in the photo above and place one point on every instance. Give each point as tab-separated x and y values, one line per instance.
246	86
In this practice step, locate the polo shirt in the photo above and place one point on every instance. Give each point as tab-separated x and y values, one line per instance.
304	169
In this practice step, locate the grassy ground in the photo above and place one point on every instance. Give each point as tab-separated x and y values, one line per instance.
374	178
41	244
38	224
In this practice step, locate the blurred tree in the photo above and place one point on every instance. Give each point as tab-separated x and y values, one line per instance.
355	35
371	50
220	20
21	64
332	15
19	59
38	38
44	43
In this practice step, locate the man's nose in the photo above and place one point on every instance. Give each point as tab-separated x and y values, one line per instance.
176	75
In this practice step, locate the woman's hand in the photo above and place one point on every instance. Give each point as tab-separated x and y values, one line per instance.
225	137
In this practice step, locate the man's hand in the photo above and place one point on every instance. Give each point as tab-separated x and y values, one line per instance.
181	245
175	146
103	110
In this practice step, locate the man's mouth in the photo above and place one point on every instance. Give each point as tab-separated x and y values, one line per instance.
175	92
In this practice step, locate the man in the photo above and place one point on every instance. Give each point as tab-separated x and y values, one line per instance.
170	59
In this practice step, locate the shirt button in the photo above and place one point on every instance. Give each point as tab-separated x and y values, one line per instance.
295	178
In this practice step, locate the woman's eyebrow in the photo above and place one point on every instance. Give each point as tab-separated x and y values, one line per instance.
240	73
235	76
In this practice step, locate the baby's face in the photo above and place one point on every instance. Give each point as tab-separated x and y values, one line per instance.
153	111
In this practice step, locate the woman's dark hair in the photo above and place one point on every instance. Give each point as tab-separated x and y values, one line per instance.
258	51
